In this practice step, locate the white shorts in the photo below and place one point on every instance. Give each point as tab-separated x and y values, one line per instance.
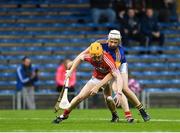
94	80
124	68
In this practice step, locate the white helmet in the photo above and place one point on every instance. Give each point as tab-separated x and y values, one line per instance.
114	34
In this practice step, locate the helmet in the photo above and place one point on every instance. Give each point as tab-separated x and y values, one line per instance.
95	49
114	34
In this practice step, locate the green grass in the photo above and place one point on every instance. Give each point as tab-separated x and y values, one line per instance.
88	120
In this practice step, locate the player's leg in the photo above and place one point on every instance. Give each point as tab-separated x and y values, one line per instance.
110	103
84	93
125	107
133	98
124	104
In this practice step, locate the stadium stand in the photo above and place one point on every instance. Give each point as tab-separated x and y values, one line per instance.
50	30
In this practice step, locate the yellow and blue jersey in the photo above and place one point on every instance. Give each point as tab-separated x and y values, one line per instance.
117	54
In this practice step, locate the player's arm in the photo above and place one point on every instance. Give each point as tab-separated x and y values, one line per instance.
96	88
119	81
75	63
115	73
102	41
109	76
119	85
123	60
82	53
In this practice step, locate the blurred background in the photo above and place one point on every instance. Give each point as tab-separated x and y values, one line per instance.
49	31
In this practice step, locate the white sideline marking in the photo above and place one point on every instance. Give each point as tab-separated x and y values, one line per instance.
91	119
76	131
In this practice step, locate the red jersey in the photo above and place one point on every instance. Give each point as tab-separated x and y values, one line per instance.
102	68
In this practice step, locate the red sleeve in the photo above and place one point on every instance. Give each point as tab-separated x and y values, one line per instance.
110	62
87	58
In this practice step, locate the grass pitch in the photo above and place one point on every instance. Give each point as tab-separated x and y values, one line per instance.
96	120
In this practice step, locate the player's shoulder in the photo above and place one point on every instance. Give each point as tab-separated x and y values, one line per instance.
105	43
109	60
105	46
121	48
108	56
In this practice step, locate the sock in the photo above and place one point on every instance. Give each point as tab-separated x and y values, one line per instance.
128	114
66	112
114	113
140	106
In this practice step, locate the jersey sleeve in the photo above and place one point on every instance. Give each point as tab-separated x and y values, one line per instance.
110	62
87	58
123	57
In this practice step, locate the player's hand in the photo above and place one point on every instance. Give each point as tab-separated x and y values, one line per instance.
69	64
68	74
118	98
94	90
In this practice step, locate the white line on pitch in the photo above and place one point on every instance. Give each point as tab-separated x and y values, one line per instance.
91	119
